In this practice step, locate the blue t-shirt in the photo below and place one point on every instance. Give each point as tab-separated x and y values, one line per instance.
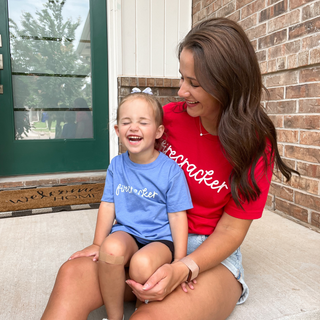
144	194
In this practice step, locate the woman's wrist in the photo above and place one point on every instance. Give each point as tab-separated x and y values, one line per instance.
192	266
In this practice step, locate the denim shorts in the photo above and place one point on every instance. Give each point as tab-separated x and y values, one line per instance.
233	263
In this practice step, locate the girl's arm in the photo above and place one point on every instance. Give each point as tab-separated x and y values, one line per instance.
105	219
227	237
179	229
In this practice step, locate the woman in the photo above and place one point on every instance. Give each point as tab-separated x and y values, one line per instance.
226	144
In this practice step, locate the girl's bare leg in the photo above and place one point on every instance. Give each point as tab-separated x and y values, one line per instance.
76	291
112	275
213	298
147	260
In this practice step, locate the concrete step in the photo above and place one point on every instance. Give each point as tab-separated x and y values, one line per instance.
281	260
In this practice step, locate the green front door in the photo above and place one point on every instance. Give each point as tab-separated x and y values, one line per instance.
53	86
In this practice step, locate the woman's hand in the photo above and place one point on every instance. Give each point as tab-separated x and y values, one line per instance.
161	283
91	251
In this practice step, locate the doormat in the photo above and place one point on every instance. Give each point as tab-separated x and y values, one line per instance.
35	198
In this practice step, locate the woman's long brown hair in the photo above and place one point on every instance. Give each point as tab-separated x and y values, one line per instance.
226	67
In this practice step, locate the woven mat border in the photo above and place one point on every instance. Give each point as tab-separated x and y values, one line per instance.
32	212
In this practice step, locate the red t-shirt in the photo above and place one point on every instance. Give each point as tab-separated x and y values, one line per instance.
207	172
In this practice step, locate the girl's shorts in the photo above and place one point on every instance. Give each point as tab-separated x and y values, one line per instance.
233	263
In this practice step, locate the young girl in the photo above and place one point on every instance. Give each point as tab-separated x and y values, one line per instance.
147	194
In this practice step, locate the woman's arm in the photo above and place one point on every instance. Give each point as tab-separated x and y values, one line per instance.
179	229
226	238
105	219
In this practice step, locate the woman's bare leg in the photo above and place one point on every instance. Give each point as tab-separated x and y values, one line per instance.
76	291
213	298
118	245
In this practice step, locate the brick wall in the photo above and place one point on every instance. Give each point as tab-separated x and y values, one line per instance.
286	37
165	89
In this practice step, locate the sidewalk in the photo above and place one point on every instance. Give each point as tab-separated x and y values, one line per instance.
281	260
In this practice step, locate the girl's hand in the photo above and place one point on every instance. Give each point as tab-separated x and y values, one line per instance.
161	283
185	285
91	251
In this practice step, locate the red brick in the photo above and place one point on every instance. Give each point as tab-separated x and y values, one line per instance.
272	65
303	58
195	19
281	79
133	81
235	16
292	47
73	180
281	107
315	56
254	44
207	2
196	8
277	121
142	82
310	138
224	2
281	63
307	200
241	3
269	202
315	219
275	52
310	74
249	22
42	182
309	170
310	122
159	82
289	136
311	42
125	81
273	11
214	7
286	20
281	192
263	67
252	8
291	209
167	83
262	55
12	184
305	154
276	93
175	83
257	32
202	14
305	184
292	61
309	106
311	11
226	10
272	39
302	29
168	92
150	82
297	3
308	90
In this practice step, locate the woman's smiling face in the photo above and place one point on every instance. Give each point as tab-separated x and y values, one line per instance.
199	102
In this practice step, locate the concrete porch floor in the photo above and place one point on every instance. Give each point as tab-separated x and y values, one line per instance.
281	260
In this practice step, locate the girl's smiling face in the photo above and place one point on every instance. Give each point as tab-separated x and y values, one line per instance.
199	102
138	130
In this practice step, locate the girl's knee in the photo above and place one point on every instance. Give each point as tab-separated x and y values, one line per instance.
141	267
113	251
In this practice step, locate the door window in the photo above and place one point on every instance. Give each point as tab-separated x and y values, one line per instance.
51	69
